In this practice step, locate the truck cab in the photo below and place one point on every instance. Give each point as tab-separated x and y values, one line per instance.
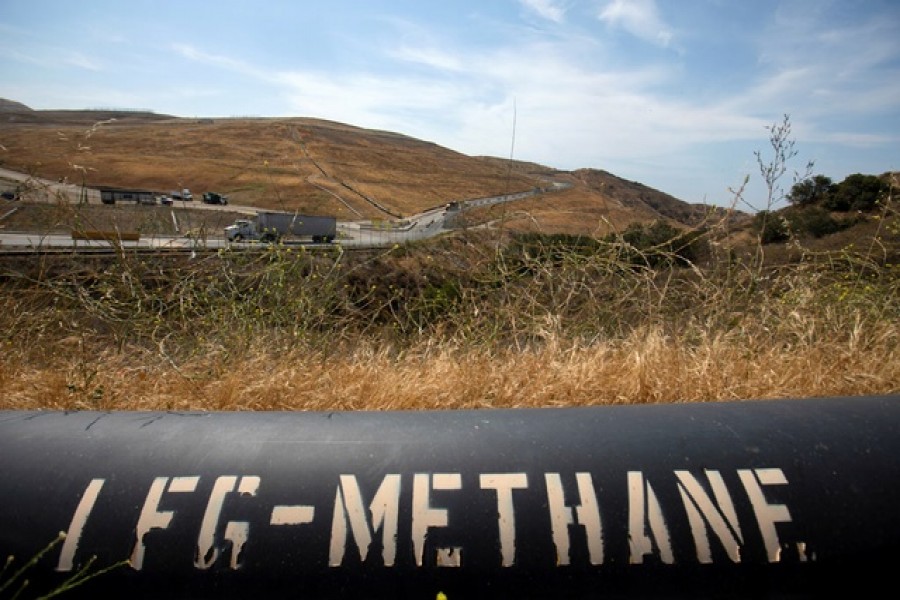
242	229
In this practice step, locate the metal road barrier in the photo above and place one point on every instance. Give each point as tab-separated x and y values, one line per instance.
107	236
787	498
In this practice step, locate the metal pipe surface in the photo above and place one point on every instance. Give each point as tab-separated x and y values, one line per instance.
779	498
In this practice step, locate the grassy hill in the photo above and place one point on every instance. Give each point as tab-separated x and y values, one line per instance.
315	166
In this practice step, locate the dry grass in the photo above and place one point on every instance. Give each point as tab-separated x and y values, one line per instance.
285	164
646	367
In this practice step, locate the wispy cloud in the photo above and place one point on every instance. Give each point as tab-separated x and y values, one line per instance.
584	98
76	59
427	56
51	58
603	113
572	111
862	140
640	18
192	53
825	70
546	9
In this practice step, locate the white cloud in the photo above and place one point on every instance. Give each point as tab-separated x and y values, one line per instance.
546	9
640	18
826	72
568	114
383	102
429	57
192	53
76	59
51	58
862	140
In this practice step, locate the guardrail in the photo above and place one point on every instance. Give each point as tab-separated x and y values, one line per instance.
788	498
107	236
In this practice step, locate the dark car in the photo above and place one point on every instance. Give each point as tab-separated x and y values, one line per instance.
214	198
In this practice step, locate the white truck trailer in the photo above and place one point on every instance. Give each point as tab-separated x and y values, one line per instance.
269	226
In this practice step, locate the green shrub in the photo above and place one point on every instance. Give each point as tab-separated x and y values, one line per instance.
856	192
771	227
811	191
815	221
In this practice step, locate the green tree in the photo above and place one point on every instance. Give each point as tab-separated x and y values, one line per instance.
811	191
770	227
815	221
659	243
856	192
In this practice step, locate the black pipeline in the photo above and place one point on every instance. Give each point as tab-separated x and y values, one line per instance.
787	498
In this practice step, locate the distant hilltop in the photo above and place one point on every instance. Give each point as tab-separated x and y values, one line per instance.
12	106
16	112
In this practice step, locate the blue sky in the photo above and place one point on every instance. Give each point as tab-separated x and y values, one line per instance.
675	94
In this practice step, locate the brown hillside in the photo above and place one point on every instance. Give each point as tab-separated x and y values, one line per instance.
315	166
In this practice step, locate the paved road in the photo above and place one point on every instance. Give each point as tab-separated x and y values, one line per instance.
9	241
424	225
349	235
35	189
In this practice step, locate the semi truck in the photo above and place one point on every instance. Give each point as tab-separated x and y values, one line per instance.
270	226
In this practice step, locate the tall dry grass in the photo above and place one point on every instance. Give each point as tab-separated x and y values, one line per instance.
647	366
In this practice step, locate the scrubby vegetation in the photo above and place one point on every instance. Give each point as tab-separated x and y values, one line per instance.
537	321
820	207
478	319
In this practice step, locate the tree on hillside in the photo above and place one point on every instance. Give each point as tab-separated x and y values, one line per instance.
659	243
856	192
771	227
811	191
816	221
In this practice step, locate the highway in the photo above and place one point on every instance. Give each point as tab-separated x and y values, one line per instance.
350	234
357	234
37	241
45	190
